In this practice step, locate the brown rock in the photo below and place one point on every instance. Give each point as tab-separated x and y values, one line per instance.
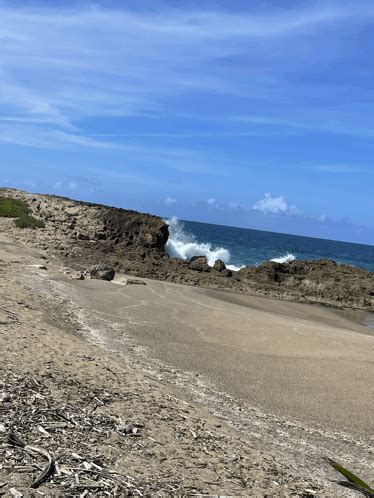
101	272
199	263
219	265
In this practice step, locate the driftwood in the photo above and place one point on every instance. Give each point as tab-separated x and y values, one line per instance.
48	470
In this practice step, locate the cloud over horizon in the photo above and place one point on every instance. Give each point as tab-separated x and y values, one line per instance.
274	205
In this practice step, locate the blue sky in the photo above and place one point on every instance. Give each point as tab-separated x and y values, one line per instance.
254	114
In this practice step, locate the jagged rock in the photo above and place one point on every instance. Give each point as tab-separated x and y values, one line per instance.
101	272
219	265
199	263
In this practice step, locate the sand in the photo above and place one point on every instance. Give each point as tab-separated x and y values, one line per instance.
300	361
256	389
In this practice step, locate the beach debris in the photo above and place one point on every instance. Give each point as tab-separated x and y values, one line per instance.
131	429
48	470
14	492
71	465
87	435
39	267
135	281
85	357
101	272
77	275
8	317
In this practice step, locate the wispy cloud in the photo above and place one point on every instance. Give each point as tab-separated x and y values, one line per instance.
312	120
63	66
337	168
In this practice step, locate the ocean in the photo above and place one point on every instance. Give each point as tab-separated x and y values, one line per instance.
239	247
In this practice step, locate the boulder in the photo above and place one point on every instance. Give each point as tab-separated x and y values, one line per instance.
219	265
199	263
101	272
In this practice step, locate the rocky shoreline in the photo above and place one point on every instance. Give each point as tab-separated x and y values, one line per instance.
84	234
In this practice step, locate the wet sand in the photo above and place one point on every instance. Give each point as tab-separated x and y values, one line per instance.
302	362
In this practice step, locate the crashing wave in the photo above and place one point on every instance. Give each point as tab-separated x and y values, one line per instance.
183	245
284	259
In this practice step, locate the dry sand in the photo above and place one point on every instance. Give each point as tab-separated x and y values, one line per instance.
294	360
289	382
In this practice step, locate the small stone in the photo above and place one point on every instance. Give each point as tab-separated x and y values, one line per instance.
101	272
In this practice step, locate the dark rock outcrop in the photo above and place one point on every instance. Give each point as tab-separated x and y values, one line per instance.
317	281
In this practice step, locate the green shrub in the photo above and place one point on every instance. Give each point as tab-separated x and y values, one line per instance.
29	222
13	208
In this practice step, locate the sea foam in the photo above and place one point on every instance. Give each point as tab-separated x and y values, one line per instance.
284	259
184	245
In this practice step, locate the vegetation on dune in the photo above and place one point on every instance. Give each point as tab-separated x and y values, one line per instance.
13	208
353	482
29	222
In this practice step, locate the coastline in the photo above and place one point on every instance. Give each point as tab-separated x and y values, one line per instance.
83	234
206	373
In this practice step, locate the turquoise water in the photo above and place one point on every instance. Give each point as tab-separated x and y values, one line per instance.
239	246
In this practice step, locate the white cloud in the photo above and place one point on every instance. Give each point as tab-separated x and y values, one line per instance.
236	206
169	201
274	205
211	202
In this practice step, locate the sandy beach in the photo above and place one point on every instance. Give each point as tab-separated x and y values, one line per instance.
283	382
304	362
